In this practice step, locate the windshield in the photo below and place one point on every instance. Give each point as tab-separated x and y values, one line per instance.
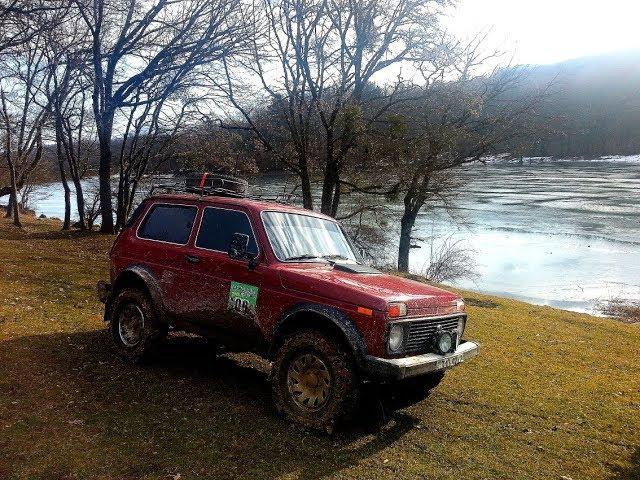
302	237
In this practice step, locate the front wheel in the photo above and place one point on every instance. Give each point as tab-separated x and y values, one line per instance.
133	325
314	381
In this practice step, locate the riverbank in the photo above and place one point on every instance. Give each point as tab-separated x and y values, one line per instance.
553	395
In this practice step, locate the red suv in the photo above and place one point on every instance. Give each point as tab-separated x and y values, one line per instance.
285	283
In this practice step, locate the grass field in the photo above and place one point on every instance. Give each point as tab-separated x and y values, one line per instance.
553	395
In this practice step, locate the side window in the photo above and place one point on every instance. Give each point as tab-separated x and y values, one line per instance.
168	223
219	225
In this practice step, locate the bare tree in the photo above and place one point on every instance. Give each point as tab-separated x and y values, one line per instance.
316	63
66	92
142	52
459	118
21	20
448	260
151	134
13	202
24	115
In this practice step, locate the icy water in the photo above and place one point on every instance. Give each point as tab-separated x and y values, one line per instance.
559	233
565	234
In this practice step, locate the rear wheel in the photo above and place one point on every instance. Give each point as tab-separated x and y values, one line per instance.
313	380
134	325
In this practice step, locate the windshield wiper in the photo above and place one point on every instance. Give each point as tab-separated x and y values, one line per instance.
335	257
306	256
309	256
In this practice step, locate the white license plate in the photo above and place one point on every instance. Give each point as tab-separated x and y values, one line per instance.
450	361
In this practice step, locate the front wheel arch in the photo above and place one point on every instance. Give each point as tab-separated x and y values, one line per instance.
324	319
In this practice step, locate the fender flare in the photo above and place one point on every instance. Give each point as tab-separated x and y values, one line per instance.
148	279
333	315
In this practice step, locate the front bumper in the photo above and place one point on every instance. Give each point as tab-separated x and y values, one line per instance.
400	368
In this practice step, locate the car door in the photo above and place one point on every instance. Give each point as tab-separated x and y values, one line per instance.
227	291
161	240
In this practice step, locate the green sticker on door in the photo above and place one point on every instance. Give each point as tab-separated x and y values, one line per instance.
243	299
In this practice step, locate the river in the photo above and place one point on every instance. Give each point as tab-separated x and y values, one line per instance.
559	233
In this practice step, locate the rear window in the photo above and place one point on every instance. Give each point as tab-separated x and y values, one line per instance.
135	215
219	225
168	223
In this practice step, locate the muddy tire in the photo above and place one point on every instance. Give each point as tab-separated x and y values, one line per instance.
134	326
314	381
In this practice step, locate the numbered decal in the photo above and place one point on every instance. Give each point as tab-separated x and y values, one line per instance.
243	299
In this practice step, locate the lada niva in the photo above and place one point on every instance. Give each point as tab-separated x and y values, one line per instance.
288	284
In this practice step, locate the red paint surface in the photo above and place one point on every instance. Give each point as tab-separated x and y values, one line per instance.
200	291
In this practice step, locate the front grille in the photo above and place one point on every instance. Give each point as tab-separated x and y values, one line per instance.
420	332
432	310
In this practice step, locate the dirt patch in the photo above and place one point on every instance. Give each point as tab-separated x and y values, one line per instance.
476	302
623	310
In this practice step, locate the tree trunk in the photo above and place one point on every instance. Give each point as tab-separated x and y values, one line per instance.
13	194
407	222
80	203
307	197
328	188
9	210
305	179
121	199
66	224
123	204
335	203
13	199
105	130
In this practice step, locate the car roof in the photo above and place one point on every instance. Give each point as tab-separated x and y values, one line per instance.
248	203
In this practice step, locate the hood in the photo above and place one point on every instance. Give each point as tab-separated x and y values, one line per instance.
371	290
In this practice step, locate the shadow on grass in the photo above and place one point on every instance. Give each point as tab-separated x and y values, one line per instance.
72	234
34	231
630	472
183	412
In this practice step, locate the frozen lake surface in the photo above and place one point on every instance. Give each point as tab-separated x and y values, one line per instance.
565	234
559	233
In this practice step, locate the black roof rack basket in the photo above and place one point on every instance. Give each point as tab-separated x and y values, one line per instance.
214	184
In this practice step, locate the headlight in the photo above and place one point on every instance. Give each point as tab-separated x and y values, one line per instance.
461	324
396	338
459	305
445	342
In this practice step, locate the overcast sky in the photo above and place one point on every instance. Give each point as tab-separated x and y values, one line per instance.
548	31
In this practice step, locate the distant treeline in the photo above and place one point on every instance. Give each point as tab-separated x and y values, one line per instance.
592	110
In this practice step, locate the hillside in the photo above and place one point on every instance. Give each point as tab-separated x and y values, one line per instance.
553	394
593	108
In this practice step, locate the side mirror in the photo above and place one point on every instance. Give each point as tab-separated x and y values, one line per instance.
238	246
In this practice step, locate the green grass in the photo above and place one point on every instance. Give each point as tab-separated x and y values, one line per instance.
553	394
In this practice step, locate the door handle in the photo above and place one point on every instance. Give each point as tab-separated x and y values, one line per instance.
192	258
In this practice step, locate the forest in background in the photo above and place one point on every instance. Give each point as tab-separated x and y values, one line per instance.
592	111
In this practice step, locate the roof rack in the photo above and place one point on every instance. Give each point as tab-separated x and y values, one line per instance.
219	185
177	188
208	184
